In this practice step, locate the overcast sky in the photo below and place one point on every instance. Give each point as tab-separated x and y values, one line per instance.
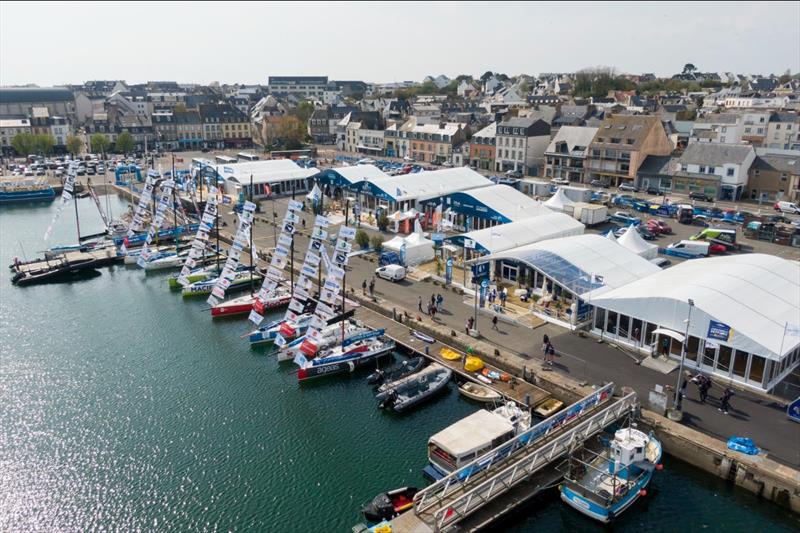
232	42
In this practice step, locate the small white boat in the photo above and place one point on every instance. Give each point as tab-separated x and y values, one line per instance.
479	393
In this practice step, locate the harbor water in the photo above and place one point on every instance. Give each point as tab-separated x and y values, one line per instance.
124	407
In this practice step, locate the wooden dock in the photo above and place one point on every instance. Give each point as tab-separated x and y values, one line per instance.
518	390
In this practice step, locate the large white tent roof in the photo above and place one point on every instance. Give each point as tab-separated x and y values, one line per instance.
266	171
508	202
430	184
526	231
756	295
559	201
586	265
357	173
634	242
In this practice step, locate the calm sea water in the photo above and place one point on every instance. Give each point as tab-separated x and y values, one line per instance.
124	407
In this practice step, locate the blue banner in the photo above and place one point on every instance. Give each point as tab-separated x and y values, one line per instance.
448	271
362	336
480	271
719	331
793	411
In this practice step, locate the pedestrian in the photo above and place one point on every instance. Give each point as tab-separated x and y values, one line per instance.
419	303
439	300
681	392
433	299
471	322
303	221
494	323
665	346
550	352
725	404
364	287
372	287
466	327
433	312
704	385
504	296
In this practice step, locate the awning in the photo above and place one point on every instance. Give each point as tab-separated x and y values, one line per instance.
668	333
362	147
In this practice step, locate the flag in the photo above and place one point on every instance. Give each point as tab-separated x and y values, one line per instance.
300	360
315	194
279	340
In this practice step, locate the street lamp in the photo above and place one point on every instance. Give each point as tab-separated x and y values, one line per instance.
683	357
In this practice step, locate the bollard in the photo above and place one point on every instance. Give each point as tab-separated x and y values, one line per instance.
524	372
426	350
527	400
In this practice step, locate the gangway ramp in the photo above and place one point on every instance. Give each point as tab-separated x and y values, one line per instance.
444	504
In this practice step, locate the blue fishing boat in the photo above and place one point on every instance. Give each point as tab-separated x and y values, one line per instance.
603	484
25	190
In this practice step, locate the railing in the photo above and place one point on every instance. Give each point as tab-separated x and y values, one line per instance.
469	502
434	494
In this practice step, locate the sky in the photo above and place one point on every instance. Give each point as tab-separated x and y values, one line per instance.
231	42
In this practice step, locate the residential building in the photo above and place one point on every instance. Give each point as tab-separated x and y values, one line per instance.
165	130
371	120
224	126
566	153
461	154
718	170
11	126
775	175
756	101
520	147
783	131
433	143
363	140
318	127
60	130
188	129
302	87
656	172
621	145
755	127
482	148
20	100
725	128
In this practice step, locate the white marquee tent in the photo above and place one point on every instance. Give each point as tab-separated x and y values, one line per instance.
636	244
559	201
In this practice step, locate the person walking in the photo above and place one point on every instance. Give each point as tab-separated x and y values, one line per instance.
681	394
494	323
550	352
725	401
504	296
705	385
364	287
466	327
439	301
372	287
665	346
419	303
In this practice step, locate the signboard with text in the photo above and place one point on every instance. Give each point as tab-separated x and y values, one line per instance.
719	331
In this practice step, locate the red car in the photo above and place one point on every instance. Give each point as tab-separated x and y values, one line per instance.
658	227
717	249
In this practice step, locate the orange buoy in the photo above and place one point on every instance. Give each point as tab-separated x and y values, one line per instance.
659	467
643	492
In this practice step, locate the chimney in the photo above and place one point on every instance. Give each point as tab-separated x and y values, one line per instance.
441	125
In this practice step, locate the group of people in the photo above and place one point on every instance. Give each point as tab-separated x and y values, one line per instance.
371	287
704	384
494	294
433	306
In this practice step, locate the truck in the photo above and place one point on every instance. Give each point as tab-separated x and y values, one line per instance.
724	236
590	214
577	194
685	214
687	249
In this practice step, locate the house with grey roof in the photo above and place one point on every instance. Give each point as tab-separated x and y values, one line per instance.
726	128
718	170
775	175
783	131
521	143
566	153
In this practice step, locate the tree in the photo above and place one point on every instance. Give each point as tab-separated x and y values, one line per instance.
451	88
786	77
124	144
486	75
383	221
376	242
99	143
43	144
462	77
74	144
362	239
688	68
23	144
303	111
291	133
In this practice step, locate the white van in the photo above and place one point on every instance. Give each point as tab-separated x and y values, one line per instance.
787	207
391	272
698	248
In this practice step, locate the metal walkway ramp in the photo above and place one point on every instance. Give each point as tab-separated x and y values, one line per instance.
448	501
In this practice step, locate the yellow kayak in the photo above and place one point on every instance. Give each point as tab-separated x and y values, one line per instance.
450	355
473	364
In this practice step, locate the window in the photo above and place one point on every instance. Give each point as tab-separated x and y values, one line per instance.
777	126
630	141
615	140
711	170
702	169
724	359
729	172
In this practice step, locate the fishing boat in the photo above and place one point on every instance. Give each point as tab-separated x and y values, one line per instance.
412	390
393	373
479	393
241	281
602	485
286	329
25	190
389	504
353	353
281	297
331	335
234	306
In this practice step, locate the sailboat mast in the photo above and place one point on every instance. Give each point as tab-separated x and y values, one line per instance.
252	244
77	218
344	277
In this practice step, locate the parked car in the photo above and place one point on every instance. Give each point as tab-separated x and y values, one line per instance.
645	233
514	174
59	171
560	181
366	161
661	262
703	197
787	207
625	218
391	272
654	191
598	183
627	187
658	226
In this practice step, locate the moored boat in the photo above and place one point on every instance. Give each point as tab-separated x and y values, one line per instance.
235	306
602	485
389	504
281	297
331	335
414	389
241	281
25	190
348	356
402	369
287	330
479	393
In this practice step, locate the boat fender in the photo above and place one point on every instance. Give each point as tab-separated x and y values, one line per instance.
659	467
643	493
351	366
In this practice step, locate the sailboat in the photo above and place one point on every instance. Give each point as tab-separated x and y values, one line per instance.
354	352
280	329
331	335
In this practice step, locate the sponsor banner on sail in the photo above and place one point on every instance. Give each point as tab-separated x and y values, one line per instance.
66	196
294	205
309	270
296	306
346	232
300	292
328	297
